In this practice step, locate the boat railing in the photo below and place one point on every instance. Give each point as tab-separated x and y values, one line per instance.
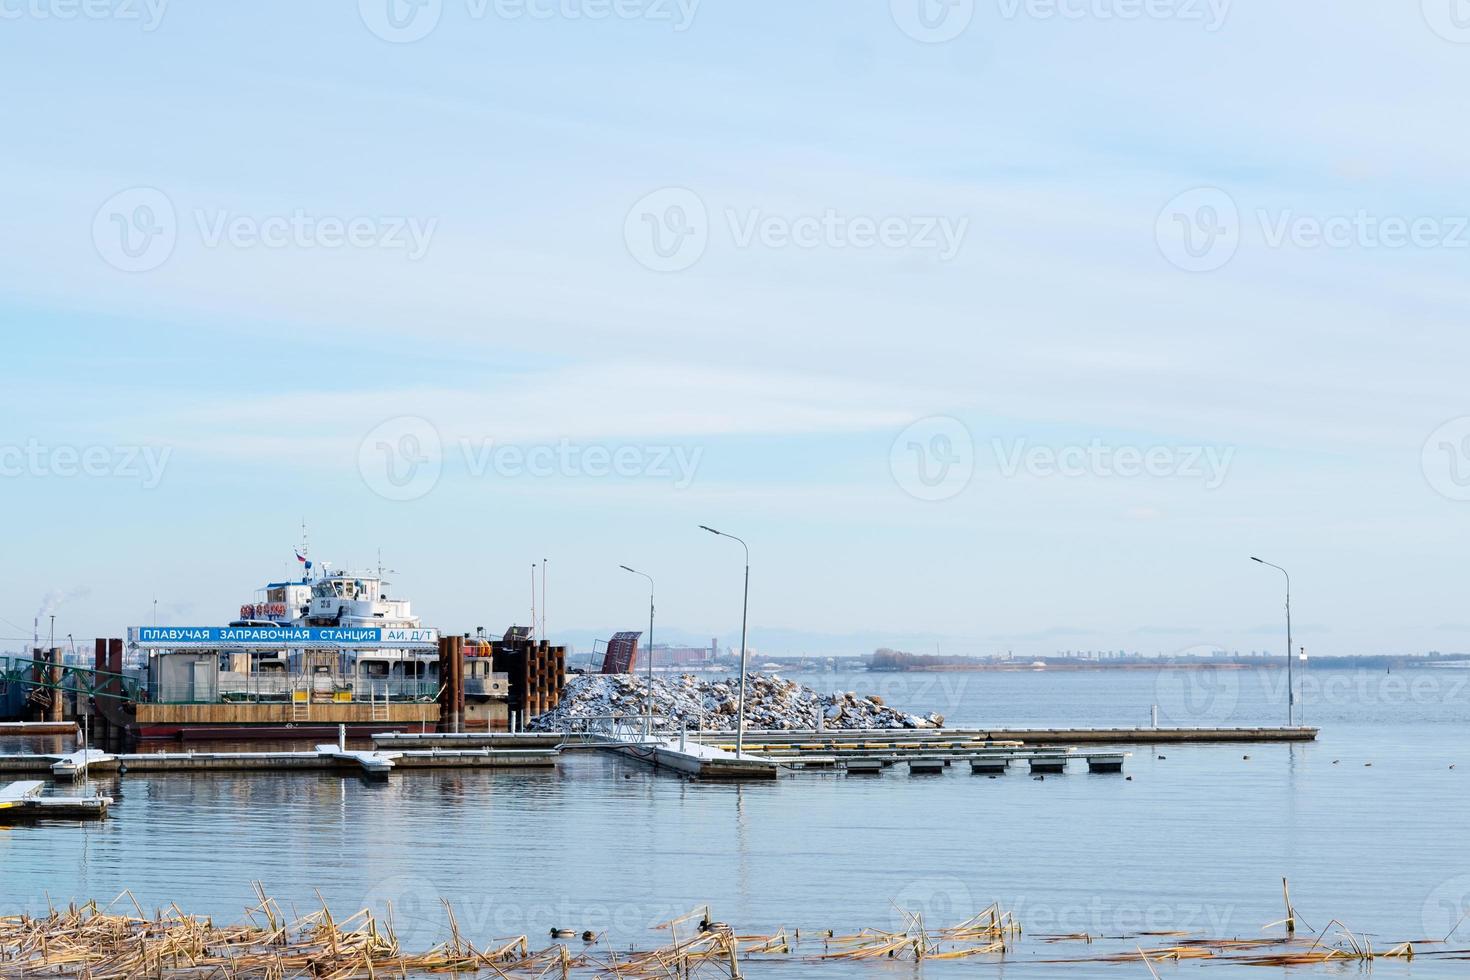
281	686
392	689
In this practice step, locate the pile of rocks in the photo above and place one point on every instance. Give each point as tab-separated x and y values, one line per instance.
770	703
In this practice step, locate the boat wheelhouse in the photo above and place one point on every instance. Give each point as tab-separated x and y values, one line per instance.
344	599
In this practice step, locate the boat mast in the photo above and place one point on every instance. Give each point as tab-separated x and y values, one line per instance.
305	552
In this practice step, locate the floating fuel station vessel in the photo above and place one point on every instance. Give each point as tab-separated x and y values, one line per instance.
307	656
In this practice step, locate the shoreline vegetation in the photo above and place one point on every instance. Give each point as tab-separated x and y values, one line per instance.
123	941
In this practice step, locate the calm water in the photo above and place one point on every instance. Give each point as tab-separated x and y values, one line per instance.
1198	839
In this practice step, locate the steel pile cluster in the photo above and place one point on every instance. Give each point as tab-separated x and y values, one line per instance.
711	705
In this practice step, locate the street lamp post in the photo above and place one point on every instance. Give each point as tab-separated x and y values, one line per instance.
648	699
1290	687
744	618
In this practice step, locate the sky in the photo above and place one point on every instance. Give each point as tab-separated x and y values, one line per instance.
988	324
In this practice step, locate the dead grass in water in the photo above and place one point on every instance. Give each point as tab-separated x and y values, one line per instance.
88	942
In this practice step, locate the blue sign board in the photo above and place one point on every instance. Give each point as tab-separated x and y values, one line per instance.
275	637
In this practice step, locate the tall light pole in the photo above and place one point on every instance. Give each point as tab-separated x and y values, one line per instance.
744	617
648	699
1290	687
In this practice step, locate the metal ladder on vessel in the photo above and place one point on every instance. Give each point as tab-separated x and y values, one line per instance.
300	704
379	707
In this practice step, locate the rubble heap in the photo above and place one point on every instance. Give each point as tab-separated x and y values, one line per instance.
770	703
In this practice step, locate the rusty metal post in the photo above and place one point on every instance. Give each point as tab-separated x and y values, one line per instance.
35	698
456	652
56	710
99	665
451	683
115	664
446	686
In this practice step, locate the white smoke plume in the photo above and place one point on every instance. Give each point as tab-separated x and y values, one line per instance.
54	599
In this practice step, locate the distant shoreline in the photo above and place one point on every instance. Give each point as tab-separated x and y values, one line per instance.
1375	663
1029	668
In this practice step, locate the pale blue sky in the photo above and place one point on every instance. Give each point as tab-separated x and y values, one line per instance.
524	152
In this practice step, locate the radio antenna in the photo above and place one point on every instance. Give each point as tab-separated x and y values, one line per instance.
533	600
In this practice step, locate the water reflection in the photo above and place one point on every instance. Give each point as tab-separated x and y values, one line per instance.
1202	837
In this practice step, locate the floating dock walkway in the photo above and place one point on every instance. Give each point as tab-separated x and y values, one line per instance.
75	765
324	757
24	800
707	755
694	759
1146	735
1040	760
686	756
25	729
683	755
959	738
1045	762
765	754
473	740
372	763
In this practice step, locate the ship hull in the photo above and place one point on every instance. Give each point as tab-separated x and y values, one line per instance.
274	720
269	731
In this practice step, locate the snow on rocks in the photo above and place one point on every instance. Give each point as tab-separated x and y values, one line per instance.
770	703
